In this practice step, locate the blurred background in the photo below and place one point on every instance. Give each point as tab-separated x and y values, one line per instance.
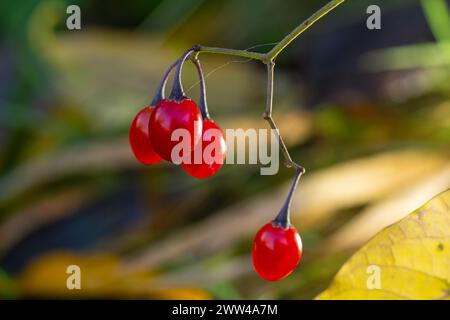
367	112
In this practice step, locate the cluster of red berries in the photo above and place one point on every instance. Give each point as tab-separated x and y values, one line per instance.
277	247
153	132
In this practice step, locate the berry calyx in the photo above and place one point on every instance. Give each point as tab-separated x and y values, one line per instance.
170	115
140	140
276	251
208	156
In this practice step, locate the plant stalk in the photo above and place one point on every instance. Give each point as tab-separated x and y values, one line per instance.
268	59
277	49
234	52
272	54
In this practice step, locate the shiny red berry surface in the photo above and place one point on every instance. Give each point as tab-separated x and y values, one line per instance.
276	251
170	115
205	165
140	140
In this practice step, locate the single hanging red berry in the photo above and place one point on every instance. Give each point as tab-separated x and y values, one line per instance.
140	140
276	251
211	162
170	115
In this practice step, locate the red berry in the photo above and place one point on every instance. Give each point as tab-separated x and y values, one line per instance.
205	167
140	140
170	115
276	251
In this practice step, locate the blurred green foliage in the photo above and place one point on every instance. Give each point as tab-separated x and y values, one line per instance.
69	183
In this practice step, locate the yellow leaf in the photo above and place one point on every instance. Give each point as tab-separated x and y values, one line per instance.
408	260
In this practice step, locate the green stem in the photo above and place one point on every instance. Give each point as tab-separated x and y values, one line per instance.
272	54
234	52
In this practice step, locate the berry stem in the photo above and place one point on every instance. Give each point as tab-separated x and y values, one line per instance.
177	89
203	105
283	217
162	86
